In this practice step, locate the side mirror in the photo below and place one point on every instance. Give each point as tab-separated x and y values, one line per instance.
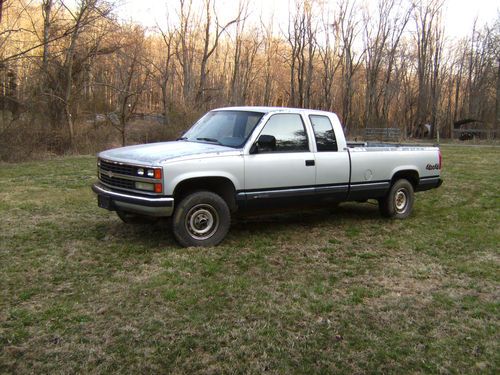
266	143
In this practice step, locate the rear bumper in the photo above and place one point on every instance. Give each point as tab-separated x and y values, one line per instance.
429	183
151	206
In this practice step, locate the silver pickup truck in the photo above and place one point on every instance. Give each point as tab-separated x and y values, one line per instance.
249	158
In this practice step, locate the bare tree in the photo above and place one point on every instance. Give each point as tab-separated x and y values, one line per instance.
427	17
311	30
330	61
235	89
163	69
301	38
436	79
87	12
248	70
269	53
347	29
130	80
185	48
495	44
391	78
47	12
381	37
62	60
209	46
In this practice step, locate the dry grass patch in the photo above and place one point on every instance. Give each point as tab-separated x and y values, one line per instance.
308	292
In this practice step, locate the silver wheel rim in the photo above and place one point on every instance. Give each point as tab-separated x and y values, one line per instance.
401	200
202	221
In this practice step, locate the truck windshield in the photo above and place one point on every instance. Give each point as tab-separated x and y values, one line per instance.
226	128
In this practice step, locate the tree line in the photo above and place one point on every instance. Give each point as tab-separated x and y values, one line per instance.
73	77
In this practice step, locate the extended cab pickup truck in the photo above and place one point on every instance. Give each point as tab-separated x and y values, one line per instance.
244	158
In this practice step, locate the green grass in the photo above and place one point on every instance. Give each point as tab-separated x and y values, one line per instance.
314	292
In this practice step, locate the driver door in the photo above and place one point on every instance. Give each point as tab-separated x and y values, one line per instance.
284	171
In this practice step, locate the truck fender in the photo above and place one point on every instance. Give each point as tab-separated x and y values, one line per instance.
409	172
201	174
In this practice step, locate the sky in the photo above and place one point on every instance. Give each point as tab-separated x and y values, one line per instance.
459	15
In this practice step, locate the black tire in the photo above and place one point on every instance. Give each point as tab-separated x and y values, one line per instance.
202	218
398	203
131	218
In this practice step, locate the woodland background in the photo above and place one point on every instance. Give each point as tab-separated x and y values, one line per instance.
74	78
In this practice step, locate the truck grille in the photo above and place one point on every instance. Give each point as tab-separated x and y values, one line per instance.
125	177
128	170
118	182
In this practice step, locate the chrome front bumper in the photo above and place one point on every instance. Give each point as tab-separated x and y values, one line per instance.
151	206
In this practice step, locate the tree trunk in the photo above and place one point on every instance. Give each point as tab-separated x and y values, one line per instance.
46	9
68	70
497	103
70	123
164	97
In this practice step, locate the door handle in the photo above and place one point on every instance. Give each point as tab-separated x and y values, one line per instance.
309	163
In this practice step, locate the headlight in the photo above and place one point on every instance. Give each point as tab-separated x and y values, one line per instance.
144	186
149	172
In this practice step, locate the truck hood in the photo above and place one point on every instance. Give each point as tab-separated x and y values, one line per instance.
154	153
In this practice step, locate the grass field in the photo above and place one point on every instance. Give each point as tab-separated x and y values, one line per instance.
316	292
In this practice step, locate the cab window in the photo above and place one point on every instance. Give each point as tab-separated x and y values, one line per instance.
323	132
289	132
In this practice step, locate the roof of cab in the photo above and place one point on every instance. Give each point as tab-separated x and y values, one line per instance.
265	109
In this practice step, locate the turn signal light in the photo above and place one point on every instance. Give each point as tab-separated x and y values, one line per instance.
158	188
157	173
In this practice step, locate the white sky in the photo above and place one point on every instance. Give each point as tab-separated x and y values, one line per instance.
459	15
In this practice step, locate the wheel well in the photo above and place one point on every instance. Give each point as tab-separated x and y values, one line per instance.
218	185
409	175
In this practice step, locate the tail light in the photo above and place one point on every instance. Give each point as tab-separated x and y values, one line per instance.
440	159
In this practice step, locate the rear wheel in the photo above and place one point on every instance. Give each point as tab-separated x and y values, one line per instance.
398	203
201	219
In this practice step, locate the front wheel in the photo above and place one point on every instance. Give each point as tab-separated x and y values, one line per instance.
201	219
398	203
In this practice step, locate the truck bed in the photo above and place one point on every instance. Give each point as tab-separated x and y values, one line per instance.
387	145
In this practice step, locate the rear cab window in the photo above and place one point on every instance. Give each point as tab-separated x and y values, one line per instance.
323	133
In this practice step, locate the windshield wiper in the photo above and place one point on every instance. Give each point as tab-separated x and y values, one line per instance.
213	140
181	138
